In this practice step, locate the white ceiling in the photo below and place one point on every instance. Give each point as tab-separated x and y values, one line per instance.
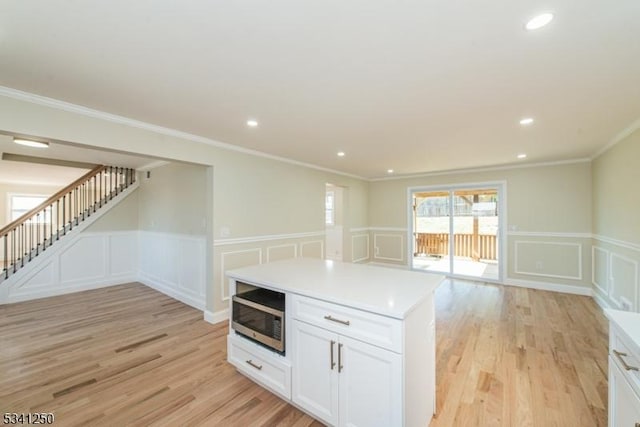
413	85
18	172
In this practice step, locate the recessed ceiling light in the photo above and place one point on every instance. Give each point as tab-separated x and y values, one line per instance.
389	170
29	143
522	156
340	153
252	123
539	21
526	121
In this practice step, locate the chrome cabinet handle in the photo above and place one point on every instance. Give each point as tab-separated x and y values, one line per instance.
333	319
333	364
627	367
340	367
250	363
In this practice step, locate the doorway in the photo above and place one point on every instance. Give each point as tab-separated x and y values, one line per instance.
457	230
333	214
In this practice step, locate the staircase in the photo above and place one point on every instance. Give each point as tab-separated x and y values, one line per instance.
24	239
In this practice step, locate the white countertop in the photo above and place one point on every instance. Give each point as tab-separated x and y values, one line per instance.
388	291
628	321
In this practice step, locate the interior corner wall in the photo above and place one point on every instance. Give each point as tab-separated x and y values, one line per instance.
547	206
616	225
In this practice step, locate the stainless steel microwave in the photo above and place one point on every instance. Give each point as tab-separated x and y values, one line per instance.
258	314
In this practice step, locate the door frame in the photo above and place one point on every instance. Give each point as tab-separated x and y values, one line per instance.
501	187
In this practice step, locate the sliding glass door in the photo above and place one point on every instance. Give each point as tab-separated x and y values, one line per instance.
456	231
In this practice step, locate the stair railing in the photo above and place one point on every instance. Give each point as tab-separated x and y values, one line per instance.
34	232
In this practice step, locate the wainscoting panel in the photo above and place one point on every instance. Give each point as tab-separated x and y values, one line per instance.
312	249
83	261
241	252
389	247
280	252
236	259
600	269
624	281
123	254
548	259
191	276
175	265
360	247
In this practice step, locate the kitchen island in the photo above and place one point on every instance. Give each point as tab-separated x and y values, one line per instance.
359	341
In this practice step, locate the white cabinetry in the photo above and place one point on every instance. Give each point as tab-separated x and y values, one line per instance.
624	404
359	342
263	366
624	369
341	379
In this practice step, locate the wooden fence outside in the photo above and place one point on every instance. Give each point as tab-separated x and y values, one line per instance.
438	244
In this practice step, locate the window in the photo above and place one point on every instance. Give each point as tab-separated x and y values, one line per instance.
329	211
19	204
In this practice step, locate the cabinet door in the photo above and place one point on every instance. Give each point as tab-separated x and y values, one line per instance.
315	380
624	404
370	385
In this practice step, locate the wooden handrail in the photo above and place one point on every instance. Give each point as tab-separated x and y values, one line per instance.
28	215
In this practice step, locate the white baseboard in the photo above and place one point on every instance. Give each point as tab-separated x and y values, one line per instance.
602	302
555	287
170	291
217	316
46	292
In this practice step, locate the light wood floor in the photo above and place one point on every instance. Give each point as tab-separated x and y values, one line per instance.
128	355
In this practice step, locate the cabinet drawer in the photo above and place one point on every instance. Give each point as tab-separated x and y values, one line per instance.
372	328
261	365
626	356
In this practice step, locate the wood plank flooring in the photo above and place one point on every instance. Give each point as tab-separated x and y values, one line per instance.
510	356
128	355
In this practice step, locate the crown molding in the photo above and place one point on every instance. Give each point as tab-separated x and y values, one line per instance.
619	137
113	118
482	169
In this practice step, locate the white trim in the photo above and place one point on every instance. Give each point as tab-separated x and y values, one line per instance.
612	287
555	276
170	291
555	287
295	250
603	303
223	272
398	229
264	238
621	243
481	169
197	237
605	290
356	236
375	245
550	234
217	316
359	229
113	118
617	138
